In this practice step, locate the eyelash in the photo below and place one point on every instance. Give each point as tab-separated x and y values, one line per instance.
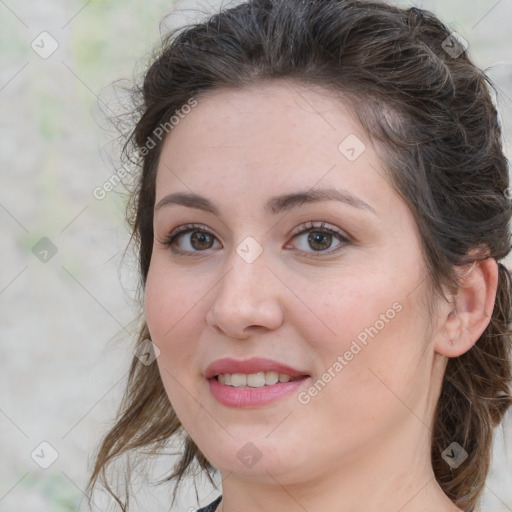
187	228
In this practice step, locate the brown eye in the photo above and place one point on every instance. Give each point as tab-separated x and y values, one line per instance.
201	240
190	239
319	240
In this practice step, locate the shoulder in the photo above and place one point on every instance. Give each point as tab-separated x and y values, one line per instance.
211	507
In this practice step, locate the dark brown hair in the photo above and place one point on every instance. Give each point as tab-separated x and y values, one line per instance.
430	111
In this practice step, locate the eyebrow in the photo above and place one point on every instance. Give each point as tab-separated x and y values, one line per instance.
274	205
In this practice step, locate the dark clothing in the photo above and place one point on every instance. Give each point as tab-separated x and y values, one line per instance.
212	506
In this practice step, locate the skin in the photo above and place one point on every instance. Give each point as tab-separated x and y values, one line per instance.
362	443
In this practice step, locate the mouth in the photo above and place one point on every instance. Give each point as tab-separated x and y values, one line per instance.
254	389
255	380
256	372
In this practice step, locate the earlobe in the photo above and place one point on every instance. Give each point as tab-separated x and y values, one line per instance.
469	309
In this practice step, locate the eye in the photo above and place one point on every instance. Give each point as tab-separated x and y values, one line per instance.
320	238
199	239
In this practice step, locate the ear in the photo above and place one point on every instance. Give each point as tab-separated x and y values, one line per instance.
469	310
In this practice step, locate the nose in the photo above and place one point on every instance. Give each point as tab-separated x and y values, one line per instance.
246	299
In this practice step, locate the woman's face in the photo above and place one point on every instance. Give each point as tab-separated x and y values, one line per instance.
332	286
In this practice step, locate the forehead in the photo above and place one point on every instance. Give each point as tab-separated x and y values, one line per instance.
280	130
241	149
275	105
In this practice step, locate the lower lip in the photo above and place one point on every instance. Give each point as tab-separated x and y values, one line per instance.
252	397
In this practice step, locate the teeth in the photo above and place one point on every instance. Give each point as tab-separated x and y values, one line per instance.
253	380
238	379
272	378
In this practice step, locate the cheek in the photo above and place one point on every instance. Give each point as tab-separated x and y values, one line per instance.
169	299
372	329
369	368
173	309
356	307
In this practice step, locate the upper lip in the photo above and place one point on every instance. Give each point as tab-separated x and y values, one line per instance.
253	365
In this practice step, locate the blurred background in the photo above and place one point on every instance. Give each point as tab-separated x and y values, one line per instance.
66	296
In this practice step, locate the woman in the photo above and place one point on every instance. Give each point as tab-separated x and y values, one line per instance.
320	214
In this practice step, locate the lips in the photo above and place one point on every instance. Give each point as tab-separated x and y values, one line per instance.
254	365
